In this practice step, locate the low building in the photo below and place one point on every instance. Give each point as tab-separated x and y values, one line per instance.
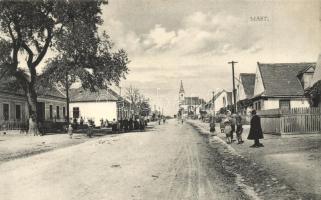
222	100
245	91
51	105
281	85
104	104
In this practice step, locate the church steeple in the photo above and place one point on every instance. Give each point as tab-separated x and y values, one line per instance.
181	98
181	90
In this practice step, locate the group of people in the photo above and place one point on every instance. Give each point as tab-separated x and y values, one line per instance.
129	124
233	124
122	125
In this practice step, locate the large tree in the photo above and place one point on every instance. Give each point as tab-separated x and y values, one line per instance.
139	103
29	29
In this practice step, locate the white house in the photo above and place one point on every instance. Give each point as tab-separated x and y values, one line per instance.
103	104
221	100
281	85
245	91
51	105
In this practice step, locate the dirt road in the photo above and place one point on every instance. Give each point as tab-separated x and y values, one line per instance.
169	161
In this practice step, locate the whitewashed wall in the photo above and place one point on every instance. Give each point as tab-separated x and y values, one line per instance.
258	87
219	103
95	110
294	103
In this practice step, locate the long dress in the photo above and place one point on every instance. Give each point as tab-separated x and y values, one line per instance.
255	129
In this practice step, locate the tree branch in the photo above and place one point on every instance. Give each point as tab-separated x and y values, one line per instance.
44	49
30	54
11	33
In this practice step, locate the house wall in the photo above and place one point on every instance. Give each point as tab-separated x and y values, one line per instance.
54	102
95	110
258	87
13	100
274	103
219	101
240	92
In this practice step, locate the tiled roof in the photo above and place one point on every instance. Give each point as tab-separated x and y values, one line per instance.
280	79
317	72
193	101
9	85
248	82
81	95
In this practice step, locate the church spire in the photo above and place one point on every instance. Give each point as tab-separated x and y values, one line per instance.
181	90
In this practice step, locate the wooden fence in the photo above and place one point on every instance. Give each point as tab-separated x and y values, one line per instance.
295	120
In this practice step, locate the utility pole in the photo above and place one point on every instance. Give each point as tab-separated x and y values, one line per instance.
67	97
234	90
213	101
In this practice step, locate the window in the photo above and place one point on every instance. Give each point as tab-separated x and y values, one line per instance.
284	104
224	102
64	112
258	105
57	111
50	111
6	111
18	112
75	112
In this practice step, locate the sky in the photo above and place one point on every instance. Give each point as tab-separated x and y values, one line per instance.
172	40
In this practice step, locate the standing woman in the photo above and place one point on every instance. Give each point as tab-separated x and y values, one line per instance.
255	130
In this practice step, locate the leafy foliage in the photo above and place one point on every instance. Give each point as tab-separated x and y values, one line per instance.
314	94
28	29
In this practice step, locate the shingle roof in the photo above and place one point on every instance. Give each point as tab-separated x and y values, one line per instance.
248	81
81	95
280	79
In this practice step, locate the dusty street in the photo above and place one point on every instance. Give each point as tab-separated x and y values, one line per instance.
170	161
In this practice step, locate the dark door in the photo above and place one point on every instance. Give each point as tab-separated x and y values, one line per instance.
41	111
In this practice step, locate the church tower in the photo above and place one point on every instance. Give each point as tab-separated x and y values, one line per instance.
181	94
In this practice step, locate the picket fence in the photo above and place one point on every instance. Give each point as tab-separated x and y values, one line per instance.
295	120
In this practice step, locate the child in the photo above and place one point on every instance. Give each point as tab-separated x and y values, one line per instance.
228	131
239	128
212	125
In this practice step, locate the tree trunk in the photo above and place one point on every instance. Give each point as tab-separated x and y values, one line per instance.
32	108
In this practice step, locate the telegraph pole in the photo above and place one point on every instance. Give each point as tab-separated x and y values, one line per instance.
234	90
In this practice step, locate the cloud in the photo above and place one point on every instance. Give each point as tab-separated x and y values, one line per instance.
199	34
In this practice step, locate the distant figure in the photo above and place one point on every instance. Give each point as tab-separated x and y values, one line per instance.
239	128
256	132
75	124
164	120
131	124
228	131
114	125
125	122
69	130
101	122
212	125
81	121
